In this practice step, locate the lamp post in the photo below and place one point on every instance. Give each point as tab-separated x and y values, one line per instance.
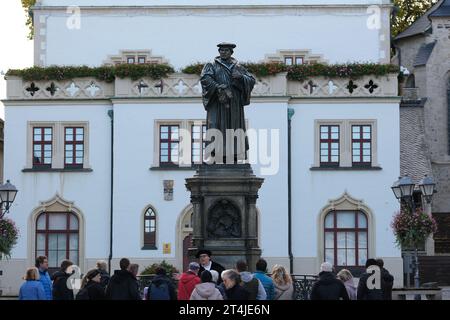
8	194
403	190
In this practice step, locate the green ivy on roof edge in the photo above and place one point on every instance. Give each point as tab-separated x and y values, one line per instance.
159	71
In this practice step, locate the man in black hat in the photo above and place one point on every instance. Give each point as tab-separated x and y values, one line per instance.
227	88
206	263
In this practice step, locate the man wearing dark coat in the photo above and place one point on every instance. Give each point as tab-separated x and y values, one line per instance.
227	88
206	263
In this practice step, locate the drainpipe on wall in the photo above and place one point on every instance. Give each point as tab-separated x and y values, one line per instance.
111	115
290	114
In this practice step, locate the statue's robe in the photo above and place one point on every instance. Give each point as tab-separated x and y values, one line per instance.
223	116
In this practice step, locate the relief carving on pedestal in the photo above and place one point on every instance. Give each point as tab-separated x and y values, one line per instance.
224	221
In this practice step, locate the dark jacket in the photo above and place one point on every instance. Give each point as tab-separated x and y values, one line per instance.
104	278
95	291
160	279
364	293
328	288
214	266
60	290
386	284
237	293
123	286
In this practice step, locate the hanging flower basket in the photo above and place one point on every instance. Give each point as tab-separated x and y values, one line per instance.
411	229
8	237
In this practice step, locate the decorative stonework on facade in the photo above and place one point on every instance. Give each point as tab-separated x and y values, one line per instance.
168	190
188	85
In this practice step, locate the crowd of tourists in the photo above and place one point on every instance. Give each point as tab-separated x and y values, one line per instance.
204	280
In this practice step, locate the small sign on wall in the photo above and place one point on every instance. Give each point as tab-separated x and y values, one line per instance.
166	248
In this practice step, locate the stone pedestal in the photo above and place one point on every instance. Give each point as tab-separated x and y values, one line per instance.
225	217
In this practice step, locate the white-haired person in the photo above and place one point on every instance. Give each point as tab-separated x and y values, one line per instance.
220	287
328	287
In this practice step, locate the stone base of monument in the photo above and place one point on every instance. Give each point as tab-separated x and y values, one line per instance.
225	217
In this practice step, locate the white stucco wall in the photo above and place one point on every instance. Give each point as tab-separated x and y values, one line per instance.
136	186
313	189
203	2
88	190
334	33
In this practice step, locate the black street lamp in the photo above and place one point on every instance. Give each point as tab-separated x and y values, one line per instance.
404	191
8	193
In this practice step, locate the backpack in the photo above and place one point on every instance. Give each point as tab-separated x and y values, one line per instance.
252	288
160	292
83	294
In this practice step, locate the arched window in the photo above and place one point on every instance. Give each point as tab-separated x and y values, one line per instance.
57	237
150	229
346	240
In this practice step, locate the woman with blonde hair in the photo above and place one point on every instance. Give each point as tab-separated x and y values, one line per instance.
347	278
284	287
32	289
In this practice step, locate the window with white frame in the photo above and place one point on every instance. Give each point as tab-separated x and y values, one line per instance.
346	240
57	145
42	146
169	144
198	144
346	143
329	145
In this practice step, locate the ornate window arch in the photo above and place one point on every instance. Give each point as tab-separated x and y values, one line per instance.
149	228
346	234
57	231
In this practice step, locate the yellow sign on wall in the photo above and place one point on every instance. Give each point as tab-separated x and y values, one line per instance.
166	248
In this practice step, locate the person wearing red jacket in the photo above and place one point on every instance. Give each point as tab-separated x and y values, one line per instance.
188	281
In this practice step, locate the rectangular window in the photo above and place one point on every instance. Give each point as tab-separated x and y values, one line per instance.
42	147
73	147
298	60
198	145
141	60
130	60
168	144
289	61
362	145
329	145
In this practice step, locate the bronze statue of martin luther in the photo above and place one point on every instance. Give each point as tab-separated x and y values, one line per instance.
227	88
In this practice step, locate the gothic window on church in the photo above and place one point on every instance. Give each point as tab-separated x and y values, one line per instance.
346	238
329	145
168	144
57	237
42	147
73	147
150	229
198	145
362	145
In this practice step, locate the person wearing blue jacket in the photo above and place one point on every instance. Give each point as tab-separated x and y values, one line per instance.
32	288
267	282
44	277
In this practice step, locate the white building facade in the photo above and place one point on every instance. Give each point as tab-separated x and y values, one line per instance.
89	157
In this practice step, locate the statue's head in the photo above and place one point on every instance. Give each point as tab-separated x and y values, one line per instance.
226	50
